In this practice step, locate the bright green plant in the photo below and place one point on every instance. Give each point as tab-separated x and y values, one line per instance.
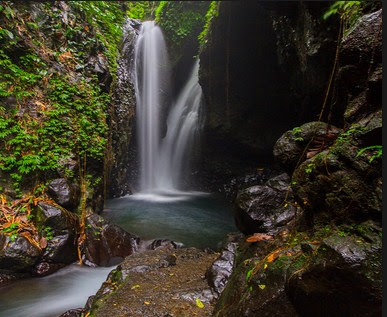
309	168
12	230
349	11
107	17
142	10
375	151
213	12
48	233
296	132
180	19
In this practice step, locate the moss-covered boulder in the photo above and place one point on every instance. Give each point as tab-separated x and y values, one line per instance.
289	149
344	181
335	271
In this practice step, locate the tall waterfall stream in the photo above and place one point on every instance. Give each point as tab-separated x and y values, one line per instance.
161	209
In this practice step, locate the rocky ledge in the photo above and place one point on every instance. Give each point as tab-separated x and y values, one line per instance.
162	282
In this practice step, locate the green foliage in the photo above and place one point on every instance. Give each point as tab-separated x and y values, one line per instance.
142	10
48	116
375	151
349	11
346	135
213	12
107	17
12	230
180	19
309	168
48	233
296	132
35	146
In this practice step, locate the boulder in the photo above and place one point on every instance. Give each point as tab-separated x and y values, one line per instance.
78	312
107	244
18	255
344	278
340	184
265	208
363	42
288	151
46	268
164	244
60	228
64	193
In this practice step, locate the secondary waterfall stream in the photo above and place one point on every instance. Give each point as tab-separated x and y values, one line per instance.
163	160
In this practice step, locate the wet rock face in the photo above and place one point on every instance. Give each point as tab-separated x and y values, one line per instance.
18	255
107	244
161	290
63	226
220	271
121	163
64	193
262	208
359	79
46	268
164	244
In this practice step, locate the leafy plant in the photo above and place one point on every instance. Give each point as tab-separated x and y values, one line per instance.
349	11
142	10
375	150
296	132
180	19
213	12
345	136
309	168
48	233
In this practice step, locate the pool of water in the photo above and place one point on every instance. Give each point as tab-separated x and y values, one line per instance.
195	219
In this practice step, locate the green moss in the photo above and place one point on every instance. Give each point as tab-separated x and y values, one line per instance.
213	12
107	17
180	21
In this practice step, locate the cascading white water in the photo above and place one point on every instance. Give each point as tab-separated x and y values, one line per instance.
151	71
162	161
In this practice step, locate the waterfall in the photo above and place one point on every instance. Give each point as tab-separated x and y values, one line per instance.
163	161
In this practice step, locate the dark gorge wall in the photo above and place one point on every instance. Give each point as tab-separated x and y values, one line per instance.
264	69
121	155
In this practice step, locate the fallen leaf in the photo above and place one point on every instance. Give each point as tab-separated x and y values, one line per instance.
259	237
135	286
199	303
43	242
147	303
